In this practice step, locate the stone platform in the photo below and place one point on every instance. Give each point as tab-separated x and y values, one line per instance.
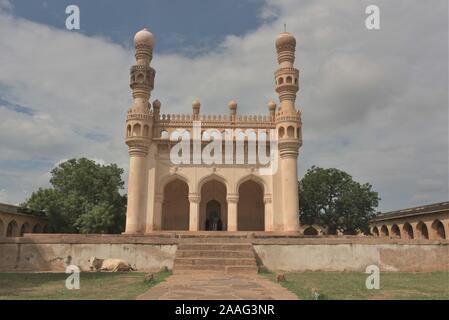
224	251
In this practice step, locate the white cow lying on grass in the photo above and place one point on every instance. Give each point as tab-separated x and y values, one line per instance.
112	265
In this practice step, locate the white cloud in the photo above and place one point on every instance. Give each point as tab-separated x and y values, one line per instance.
374	103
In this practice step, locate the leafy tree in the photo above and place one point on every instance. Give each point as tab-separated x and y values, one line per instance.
332	199
85	197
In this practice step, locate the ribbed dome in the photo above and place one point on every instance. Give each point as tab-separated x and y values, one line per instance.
284	39
144	37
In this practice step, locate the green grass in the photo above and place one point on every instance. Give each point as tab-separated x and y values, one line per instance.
99	286
351	285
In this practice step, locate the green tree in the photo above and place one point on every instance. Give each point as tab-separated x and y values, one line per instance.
84	198
332	199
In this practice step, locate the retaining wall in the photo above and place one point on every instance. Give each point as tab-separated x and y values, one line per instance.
53	252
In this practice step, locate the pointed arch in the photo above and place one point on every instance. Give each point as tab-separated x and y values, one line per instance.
407	231
395	232
175	207
375	231
438	231
13	229
384	231
254	178
210	177
174	176
251	207
213	205
421	231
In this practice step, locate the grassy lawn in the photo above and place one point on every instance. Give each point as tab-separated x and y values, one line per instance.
351	285
100	286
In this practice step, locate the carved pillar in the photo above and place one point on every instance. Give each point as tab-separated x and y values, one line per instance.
233	200
194	216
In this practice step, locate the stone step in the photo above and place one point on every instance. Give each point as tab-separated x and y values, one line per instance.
188	269
215	246
215	261
215	254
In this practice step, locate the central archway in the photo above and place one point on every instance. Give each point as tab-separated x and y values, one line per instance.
176	206
251	208
214	222
213	206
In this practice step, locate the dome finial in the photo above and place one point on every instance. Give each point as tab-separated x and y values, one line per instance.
144	37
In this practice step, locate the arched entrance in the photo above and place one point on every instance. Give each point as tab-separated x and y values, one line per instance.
384	231
375	231
250	208
421	231
407	231
438	230
213	216
395	232
213	206
176	206
13	229
25	229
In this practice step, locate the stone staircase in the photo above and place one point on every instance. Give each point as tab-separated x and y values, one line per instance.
215	255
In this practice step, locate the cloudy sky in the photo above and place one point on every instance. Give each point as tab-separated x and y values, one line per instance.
374	103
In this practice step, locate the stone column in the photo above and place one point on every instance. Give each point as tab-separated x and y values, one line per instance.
136	190
267	199
194	215
289	177
233	200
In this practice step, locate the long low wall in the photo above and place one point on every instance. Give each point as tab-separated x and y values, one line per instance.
276	252
354	257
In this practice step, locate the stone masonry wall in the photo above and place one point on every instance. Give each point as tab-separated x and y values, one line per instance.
50	252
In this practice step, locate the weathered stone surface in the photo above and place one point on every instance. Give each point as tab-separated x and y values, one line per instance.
52	252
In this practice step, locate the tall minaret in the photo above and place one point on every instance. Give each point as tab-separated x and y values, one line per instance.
288	125
139	131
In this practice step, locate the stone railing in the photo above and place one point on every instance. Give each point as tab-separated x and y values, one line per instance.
219	121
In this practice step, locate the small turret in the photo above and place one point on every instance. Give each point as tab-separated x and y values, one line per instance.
196	109
232	109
